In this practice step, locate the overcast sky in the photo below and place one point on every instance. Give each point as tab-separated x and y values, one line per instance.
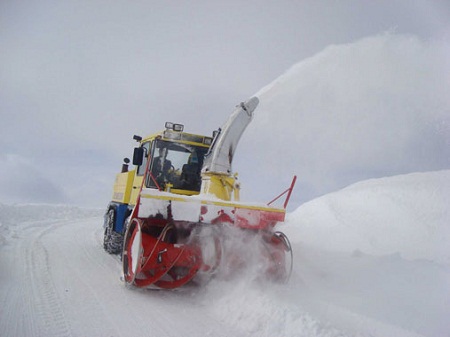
79	78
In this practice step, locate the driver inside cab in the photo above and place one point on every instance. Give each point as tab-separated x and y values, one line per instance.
161	168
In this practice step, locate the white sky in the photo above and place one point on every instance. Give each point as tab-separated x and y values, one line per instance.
79	78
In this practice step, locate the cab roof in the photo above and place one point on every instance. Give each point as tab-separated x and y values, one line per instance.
172	134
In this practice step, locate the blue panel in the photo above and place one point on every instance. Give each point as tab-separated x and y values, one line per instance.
121	213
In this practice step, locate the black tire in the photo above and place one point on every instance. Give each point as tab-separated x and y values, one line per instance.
112	241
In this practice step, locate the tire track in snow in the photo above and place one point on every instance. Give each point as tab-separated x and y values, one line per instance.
17	314
30	305
47	303
59	299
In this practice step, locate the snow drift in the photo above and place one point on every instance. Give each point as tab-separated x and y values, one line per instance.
407	215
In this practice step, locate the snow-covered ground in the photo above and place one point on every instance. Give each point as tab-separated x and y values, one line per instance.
370	260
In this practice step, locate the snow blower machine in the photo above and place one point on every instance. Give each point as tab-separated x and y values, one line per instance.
172	215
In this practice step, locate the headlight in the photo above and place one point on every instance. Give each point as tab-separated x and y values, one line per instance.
174	127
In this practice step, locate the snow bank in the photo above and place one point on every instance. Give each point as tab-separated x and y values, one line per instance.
407	214
11	215
19	213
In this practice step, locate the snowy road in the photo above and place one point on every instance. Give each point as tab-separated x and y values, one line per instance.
56	279
61	283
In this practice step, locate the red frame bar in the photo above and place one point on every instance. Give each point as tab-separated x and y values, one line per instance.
288	191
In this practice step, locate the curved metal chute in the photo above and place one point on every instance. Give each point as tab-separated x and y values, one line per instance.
219	158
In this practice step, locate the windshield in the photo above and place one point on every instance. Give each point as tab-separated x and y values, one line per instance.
177	164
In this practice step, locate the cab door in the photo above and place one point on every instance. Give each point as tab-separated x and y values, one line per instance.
140	170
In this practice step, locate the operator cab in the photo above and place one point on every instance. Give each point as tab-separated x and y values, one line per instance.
176	159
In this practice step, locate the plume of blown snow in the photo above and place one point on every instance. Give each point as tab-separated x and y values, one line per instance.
373	108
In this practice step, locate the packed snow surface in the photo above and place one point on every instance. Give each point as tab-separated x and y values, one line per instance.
370	260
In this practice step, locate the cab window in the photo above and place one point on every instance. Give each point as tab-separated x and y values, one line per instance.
177	164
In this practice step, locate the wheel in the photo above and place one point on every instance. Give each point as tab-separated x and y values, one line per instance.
132	252
288	258
279	254
112	241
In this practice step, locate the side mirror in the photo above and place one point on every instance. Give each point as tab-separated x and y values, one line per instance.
138	156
